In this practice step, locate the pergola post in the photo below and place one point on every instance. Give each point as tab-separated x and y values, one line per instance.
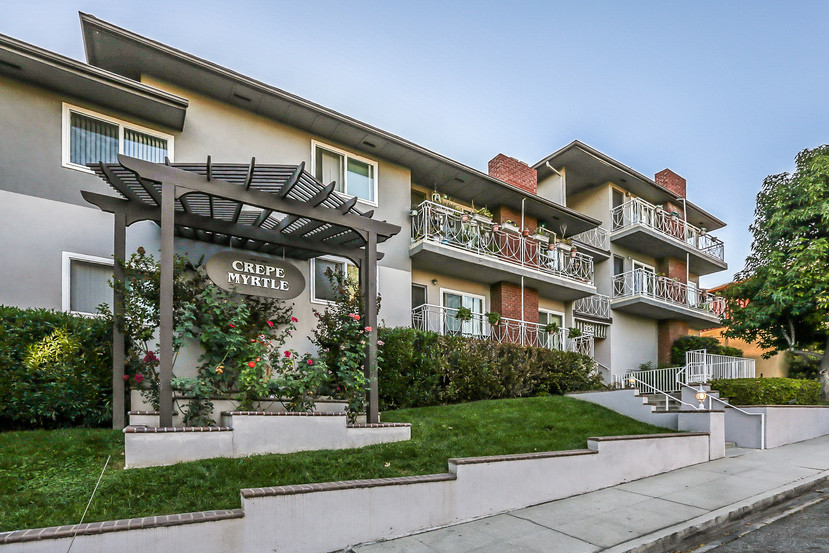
119	250
165	392
369	277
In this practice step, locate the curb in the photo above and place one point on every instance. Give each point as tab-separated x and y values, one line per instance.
662	540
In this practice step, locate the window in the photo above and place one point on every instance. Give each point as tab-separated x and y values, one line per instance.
418	295
546	339
355	176
85	283
618	265
452	302
90	137
321	289
644	280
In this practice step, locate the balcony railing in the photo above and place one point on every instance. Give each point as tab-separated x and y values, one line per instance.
640	212
593	306
444	320
597	237
443	225
640	282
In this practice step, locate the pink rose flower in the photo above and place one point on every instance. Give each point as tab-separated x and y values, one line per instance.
294	320
310	361
287	353
368	329
270	324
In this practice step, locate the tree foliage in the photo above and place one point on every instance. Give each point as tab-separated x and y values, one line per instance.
780	300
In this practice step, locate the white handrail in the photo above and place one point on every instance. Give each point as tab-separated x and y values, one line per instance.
639	212
597	237
597	305
743	411
440	224
668	396
640	282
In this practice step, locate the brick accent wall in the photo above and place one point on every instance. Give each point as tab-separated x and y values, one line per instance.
505	298
671	181
513	171
668	331
673	268
502	213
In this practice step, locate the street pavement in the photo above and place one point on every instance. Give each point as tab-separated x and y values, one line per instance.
645	516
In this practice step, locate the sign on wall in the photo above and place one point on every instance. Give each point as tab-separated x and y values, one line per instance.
254	275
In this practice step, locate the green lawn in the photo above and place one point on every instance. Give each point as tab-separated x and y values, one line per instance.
46	476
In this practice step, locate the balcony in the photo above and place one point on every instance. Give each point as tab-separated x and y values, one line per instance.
596	242
443	320
469	246
592	315
645	228
644	293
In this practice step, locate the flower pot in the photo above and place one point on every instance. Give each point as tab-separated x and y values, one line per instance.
525	232
464	218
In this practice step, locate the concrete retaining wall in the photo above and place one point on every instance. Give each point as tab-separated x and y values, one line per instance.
785	424
319	518
629	403
254	433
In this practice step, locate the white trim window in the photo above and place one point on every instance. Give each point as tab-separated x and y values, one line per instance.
545	317
85	282
90	137
451	301
321	289
354	175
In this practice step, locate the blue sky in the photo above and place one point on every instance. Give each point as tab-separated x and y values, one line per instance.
723	93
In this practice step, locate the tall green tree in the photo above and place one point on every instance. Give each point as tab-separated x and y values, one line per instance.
780	300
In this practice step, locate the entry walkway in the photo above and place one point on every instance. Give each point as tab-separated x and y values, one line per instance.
631	516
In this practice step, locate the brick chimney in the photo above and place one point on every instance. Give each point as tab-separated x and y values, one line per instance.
515	172
669	180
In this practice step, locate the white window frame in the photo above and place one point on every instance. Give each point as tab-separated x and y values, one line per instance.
461	294
313	273
317	144
66	277
66	134
554	312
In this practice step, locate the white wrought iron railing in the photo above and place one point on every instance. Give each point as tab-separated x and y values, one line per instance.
597	305
640	212
704	367
444	225
444	320
597	237
664	380
640	282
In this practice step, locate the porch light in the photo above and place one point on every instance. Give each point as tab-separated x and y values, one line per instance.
701	395
632	381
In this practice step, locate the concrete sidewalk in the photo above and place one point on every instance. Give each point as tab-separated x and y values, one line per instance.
637	516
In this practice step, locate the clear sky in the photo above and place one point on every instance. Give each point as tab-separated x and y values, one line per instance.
723	93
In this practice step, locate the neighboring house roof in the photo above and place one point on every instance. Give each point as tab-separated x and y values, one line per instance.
587	167
129	54
25	62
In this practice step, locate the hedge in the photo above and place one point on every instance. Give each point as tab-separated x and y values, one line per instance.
690	343
769	391
55	369
421	368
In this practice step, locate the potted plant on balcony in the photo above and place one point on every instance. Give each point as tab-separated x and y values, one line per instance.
493	318
509	226
482	215
463	314
551	327
525	233
574	333
573	250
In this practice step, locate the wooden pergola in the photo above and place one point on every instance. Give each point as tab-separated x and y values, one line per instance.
271	209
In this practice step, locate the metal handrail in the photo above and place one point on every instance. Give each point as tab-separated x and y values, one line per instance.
597	237
639	282
762	416
668	396
597	305
440	224
639	212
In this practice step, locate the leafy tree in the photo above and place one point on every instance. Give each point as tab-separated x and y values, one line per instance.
780	300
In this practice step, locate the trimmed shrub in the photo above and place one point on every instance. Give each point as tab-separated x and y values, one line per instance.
55	369
800	366
424	368
690	343
769	391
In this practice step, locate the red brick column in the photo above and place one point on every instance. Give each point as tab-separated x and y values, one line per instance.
668	331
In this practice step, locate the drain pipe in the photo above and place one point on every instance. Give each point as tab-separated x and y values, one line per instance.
563	183
522	258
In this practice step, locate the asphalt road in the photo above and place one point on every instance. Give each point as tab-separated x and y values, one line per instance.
806	530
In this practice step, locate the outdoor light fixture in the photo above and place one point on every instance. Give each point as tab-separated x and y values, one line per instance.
632	381
701	395
434	282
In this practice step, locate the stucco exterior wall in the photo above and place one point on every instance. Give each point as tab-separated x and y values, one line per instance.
634	341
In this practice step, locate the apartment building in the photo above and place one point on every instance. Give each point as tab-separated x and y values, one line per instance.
518	253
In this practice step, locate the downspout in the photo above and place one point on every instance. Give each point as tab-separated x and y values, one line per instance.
563	183
522	256
687	255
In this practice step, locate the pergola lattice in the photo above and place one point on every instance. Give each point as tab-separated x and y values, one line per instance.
271	209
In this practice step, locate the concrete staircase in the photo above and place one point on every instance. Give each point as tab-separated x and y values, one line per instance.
657	401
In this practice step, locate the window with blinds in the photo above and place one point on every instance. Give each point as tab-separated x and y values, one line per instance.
90	138
353	175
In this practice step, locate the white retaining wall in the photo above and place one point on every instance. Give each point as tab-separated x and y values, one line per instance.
785	424
628	402
254	433
319	518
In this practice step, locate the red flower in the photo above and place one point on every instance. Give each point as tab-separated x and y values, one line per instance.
232	326
270	324
310	361
287	353
294	320
251	364
368	329
126	377
139	378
